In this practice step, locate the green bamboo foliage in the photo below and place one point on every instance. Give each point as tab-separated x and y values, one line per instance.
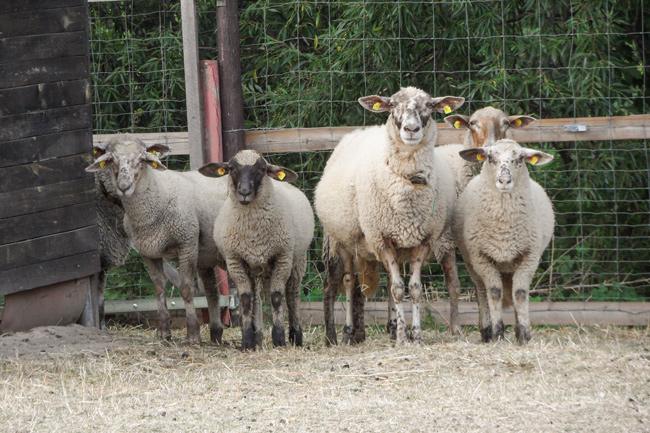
305	63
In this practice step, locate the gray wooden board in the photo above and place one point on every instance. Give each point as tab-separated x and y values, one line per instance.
13	6
43	46
47	222
38	198
46	21
48	248
50	272
45	122
44	172
38	148
43	71
43	96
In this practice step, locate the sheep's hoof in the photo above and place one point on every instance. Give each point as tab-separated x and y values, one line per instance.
194	339
391	328
401	337
248	339
499	330
330	336
522	333
216	334
295	336
486	334
416	335
347	335
359	336
277	335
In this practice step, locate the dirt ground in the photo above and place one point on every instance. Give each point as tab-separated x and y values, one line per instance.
566	380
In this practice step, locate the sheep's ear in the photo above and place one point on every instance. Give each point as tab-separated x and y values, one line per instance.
153	161
99	148
280	173
158	150
458	121
446	104
215	169
520	121
100	163
536	157
375	103
476	154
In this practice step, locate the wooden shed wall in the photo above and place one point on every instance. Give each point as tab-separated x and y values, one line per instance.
48	231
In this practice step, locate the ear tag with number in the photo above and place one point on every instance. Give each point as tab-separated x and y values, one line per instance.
533	159
518	122
376	106
221	171
102	164
457	124
154	164
480	157
447	109
281	175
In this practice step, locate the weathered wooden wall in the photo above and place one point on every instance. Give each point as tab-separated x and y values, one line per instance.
48	232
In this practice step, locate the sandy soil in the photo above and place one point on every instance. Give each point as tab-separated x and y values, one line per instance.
567	379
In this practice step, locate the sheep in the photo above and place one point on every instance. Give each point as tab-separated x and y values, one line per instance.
263	231
384	198
502	223
484	127
167	216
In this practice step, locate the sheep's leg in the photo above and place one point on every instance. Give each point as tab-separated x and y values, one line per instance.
279	278
483	310
258	318
389	258
418	256
212	296
187	271
154	268
452	282
237	272
330	291
293	300
348	285
101	287
493	285
391	326
521	280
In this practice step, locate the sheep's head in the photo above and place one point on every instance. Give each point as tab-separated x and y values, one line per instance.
488	124
248	172
124	159
505	162
411	110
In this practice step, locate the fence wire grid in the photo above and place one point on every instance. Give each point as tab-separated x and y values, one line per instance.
305	63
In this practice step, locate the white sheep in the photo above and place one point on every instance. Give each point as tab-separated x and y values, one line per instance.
263	231
484	127
168	216
384	197
503	222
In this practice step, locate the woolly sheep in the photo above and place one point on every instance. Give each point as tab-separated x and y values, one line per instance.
384	197
263	231
484	127
503	222
167	216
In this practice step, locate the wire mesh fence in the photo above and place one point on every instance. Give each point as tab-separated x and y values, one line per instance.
305	63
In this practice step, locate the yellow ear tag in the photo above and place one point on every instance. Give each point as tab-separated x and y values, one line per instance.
533	159
154	152
457	124
102	164
95	151
281	175
480	157
376	106
518	122
154	164
447	109
221	171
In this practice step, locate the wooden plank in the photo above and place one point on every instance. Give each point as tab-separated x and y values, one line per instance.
48	248
193	95
39	198
43	147
634	127
44	96
45	172
7	7
43	21
43	71
45	122
48	46
51	272
48	222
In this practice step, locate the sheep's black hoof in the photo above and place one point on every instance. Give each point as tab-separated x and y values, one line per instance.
277	335
499	330
359	336
486	334
330	336
522	333
295	336
248	339
415	335
347	335
391	328
216	334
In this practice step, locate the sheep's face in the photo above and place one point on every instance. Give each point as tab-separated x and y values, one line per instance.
248	172
505	162
411	110
125	159
488	125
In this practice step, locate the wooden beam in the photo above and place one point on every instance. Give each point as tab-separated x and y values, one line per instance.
541	313
193	98
634	127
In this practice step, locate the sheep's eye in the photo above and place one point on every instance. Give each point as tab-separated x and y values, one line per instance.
473	123
491	159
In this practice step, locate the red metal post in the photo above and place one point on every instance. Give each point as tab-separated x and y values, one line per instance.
213	150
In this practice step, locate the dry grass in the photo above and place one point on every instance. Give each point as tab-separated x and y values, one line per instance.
566	379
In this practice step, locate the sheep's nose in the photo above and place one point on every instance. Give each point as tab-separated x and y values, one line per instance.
412	129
